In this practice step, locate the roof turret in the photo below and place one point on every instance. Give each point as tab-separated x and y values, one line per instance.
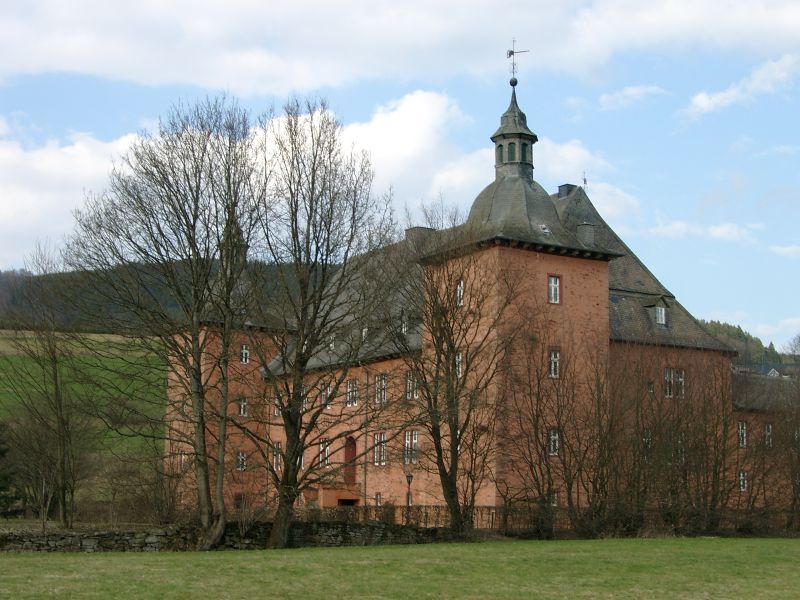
514	123
513	142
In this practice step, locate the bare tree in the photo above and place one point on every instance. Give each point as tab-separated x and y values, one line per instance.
164	248
453	300
8	492
45	399
321	303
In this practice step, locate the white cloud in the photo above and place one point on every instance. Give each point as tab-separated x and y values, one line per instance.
628	95
613	203
726	231
780	332
566	162
788	251
766	79
276	47
413	152
779	149
42	185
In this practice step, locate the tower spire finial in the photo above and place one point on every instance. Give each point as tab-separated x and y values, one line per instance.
512	55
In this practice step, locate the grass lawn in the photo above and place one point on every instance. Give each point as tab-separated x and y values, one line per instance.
635	568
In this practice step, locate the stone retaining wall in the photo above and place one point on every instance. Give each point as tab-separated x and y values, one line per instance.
302	535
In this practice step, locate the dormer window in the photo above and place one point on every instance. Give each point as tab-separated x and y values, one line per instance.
661	315
512	152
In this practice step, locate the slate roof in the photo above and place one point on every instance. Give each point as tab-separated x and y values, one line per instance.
761	393
517	209
633	289
514	122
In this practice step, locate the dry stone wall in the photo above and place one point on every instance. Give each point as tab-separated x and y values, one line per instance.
176	539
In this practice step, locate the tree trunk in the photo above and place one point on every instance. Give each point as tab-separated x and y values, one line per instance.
211	536
281	526
460	523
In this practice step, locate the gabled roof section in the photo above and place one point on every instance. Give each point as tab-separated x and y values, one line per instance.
760	393
633	289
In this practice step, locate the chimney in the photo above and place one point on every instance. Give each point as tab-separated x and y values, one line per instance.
565	189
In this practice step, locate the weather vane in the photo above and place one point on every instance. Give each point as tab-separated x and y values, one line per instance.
512	55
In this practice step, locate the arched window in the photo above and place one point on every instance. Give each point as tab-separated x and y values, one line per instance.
524	153
512	152
500	153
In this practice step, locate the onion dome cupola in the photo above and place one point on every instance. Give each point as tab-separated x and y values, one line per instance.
514	142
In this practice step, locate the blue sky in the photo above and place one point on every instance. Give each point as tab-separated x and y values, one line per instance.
682	114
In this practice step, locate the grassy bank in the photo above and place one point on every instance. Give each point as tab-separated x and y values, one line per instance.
635	568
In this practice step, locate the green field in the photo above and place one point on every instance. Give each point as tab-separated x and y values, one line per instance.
633	568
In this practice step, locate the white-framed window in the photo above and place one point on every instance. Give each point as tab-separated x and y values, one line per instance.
403	323
241	402
674	383
742	481
351	397
410	447
554	364
768	435
331	344
325	396
380	389
244	354
277	456
741	434
661	315
379	450
552	441
364	333
458	365
554	289
553	498
301	461
412	389
277	405
460	293
325	452
241	460
378	499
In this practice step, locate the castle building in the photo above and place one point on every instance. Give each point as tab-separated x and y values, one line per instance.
571	376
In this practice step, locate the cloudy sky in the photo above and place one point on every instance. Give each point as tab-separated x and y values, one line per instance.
683	114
